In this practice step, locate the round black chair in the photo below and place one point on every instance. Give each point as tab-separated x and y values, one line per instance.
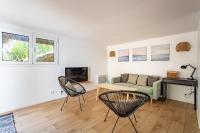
72	89
121	105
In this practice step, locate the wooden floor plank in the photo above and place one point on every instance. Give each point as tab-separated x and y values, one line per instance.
160	117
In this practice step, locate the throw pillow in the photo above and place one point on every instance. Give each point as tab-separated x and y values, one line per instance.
132	78
152	79
70	86
124	78
142	80
72	90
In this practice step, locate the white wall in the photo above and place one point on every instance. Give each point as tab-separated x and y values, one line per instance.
198	60
198	72
25	85
159	67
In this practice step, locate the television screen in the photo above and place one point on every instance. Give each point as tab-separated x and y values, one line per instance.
78	74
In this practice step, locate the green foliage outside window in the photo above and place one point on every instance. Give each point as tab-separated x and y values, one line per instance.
15	47
19	52
44	50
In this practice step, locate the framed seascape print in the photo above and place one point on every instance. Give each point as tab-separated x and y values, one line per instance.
123	55
139	54
160	52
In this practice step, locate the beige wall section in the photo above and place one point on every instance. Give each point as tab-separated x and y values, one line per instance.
160	67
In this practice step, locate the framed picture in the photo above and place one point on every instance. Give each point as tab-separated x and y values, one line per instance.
160	52
123	55
139	54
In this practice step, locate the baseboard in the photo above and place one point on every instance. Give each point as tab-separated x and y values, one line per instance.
198	117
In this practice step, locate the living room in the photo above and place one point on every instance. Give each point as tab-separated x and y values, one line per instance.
123	38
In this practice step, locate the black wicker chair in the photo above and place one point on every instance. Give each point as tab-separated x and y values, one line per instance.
72	89
117	102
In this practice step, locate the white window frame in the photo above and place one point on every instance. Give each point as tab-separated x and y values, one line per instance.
19	33
48	37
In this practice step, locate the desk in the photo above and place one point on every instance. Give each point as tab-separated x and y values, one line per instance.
179	81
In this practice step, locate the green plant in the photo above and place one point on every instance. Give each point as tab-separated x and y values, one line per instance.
19	52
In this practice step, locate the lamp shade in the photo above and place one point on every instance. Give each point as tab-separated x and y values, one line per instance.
112	54
184	66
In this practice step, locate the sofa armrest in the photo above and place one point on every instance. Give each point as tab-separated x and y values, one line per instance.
156	89
115	80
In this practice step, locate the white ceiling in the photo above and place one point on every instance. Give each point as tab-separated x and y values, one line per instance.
107	21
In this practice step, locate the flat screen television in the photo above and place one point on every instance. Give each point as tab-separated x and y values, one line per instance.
78	74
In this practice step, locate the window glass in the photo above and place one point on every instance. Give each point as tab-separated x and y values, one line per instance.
44	50
15	47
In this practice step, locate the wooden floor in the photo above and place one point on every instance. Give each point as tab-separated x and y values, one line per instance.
161	117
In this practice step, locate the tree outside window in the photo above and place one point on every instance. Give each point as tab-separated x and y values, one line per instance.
44	50
15	47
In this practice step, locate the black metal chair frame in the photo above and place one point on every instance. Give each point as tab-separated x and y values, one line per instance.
71	92
132	113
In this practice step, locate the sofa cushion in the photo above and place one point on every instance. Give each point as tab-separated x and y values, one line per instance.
152	79
124	78
142	80
145	89
124	84
132	78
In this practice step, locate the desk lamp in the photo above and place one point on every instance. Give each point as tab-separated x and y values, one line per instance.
194	69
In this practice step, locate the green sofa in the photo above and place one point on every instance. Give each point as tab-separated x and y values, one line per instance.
152	90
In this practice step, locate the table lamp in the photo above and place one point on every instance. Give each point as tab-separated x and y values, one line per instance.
194	69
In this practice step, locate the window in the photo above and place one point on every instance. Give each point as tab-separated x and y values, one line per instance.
45	50
23	48
15	47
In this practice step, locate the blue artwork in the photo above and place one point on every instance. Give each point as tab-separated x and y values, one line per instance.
139	54
123	55
160	52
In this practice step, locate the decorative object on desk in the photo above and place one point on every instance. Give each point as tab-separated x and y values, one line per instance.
112	54
123	55
172	74
160	52
183	46
194	69
139	54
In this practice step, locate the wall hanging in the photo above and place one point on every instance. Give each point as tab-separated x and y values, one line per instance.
139	54
183	46
123	55
160	52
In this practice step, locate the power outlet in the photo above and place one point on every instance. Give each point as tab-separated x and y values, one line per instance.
61	92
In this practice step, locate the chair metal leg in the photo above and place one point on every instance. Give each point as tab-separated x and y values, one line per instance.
83	98
66	99
80	103
115	124
106	114
133	125
135	117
